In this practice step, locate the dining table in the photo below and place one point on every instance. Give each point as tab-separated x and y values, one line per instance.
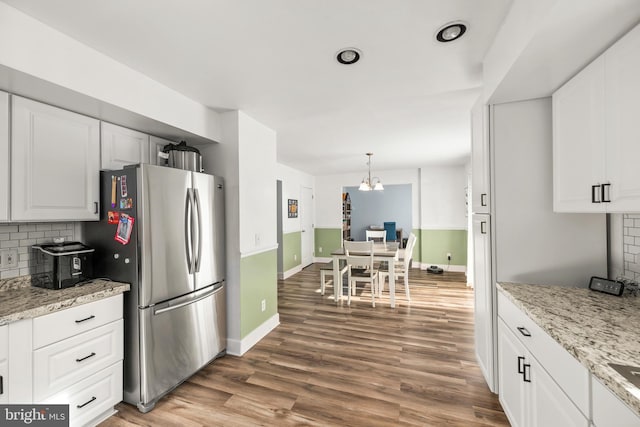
388	252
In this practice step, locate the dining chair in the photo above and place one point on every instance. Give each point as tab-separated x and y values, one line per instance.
326	269
376	235
401	268
360	268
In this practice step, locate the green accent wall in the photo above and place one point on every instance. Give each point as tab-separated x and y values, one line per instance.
329	239
258	281
417	249
435	244
291	250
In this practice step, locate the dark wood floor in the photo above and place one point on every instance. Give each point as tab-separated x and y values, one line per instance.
335	365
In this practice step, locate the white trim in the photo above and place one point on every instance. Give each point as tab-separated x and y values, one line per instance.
289	273
240	347
443	227
322	259
258	251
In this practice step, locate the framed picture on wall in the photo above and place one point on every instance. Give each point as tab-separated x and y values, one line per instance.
292	208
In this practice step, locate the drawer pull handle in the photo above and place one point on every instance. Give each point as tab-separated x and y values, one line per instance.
86	403
520	367
525	371
524	331
86	357
85	319
1	384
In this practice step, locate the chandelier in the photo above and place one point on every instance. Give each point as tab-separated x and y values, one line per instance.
368	183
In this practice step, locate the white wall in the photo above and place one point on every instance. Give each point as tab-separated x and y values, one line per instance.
329	194
257	168
292	182
32	48
443	197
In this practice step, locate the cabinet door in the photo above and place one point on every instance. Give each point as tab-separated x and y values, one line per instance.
4	156
55	163
4	364
155	146
578	142
549	406
483	298
121	146
480	163
622	84
510	376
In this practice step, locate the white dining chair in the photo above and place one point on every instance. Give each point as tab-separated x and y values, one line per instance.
376	235
401	268
326	275
360	266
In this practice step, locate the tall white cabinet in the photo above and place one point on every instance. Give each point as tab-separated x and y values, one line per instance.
4	157
121	146
55	160
521	239
596	132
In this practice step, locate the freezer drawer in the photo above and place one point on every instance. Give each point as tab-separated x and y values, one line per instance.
177	338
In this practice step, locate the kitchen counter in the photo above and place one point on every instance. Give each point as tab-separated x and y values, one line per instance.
19	300
595	328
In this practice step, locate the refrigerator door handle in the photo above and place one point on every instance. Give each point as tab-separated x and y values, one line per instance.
188	240
190	299
199	234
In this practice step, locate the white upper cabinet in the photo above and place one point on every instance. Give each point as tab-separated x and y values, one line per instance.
622	117
480	182
155	146
578	135
4	156
596	133
122	146
55	162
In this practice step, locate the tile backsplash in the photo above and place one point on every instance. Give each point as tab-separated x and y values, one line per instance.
631	246
23	236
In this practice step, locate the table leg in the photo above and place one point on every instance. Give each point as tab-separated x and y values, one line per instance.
337	280
392	283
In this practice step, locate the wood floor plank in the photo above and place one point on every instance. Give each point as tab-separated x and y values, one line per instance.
331	364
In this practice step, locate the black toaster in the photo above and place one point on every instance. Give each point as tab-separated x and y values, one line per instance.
65	265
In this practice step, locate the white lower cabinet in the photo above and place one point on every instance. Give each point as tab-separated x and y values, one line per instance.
608	410
4	364
73	357
540	384
4	158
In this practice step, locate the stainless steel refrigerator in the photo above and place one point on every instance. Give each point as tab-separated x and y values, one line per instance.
162	230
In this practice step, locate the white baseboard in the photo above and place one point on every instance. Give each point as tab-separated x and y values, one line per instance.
454	268
240	347
322	259
289	273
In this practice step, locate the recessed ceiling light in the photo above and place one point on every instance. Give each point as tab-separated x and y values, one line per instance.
348	56
451	31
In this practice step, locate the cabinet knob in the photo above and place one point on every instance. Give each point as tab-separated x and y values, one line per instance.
595	194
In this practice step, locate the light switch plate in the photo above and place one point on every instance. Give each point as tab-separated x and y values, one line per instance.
9	258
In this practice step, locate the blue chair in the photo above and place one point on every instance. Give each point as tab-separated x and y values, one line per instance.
390	228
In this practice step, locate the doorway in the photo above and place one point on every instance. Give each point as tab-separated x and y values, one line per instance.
306	226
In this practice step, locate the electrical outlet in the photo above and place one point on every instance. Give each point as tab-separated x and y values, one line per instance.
295	257
257	239
263	305
9	258
449	256
320	249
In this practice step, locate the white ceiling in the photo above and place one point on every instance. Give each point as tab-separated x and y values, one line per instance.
407	100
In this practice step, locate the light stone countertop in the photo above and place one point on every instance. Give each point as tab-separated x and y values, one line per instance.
595	328
19	300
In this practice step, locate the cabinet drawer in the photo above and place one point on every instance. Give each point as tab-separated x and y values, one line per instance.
565	370
4	364
609	410
4	342
72	321
59	365
92	396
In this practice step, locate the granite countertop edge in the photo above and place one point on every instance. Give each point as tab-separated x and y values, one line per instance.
595	363
28	302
